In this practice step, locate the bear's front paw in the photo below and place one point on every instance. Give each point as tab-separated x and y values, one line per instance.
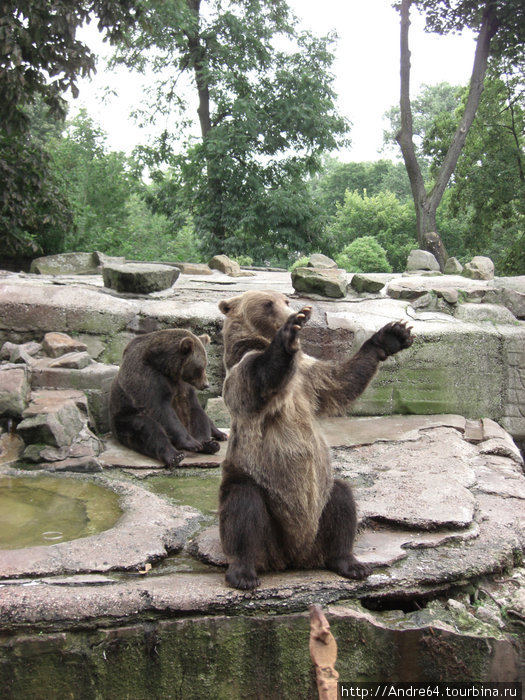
294	323
392	338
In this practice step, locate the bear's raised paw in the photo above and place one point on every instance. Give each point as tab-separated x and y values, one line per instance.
392	338
293	325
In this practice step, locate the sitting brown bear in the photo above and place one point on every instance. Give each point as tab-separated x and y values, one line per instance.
279	503
153	405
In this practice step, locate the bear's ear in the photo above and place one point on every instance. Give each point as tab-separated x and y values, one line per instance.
205	339
186	346
227	305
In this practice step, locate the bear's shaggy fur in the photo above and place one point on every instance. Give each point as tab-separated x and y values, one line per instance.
279	503
153	404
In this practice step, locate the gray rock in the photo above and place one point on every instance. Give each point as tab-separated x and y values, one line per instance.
224	264
14	390
398	290
479	268
422	260
322	261
325	282
94	381
57	428
194	268
139	278
20	353
367	283
453	267
57	344
65	264
475	313
72	360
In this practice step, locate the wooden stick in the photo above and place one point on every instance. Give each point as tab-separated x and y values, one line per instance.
323	652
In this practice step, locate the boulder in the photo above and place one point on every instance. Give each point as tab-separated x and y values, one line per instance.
453	267
422	260
224	264
398	290
65	264
57	424
479	268
139	278
14	390
322	261
57	344
20	353
370	284
194	268
474	313
325	282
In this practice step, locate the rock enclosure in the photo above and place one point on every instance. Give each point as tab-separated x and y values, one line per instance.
441	499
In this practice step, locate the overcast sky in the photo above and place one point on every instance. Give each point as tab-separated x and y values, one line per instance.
366	70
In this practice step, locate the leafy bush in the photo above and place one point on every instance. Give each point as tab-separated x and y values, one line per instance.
364	255
301	262
382	217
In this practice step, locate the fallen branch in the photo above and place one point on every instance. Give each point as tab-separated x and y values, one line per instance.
323	652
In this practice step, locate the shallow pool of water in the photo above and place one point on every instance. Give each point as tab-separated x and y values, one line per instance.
46	510
201	491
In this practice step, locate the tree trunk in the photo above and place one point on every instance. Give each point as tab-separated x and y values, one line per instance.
198	61
426	204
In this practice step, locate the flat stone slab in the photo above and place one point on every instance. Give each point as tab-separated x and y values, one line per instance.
116	455
436	510
139	278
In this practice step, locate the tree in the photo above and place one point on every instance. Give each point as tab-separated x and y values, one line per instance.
40	58
265	114
382	217
330	184
489	182
501	32
40	55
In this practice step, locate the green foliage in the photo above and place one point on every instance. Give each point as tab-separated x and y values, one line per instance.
244	260
34	213
487	200
432	104
300	262
96	183
330	185
364	255
383	217
38	42
266	113
40	58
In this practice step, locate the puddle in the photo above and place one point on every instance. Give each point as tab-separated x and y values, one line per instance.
46	510
201	491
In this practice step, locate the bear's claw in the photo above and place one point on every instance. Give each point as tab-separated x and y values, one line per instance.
292	327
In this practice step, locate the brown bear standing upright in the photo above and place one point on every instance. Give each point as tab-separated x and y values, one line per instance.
153	404
279	503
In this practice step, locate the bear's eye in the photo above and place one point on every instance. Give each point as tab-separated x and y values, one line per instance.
287	302
268	305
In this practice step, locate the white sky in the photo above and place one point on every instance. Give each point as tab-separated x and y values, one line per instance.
366	70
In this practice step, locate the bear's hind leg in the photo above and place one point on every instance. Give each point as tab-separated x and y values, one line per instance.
247	533
143	434
337	529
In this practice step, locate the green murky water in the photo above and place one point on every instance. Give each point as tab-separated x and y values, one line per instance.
49	510
201	492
